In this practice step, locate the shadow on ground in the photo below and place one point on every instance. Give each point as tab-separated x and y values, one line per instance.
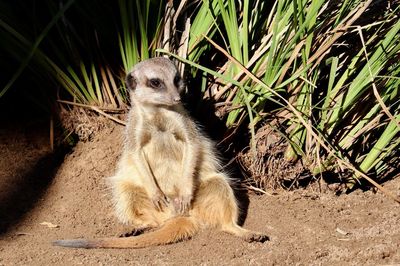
28	189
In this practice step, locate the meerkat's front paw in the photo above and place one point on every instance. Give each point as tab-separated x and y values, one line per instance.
160	201
182	204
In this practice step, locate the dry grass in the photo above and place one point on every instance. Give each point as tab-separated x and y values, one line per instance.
267	168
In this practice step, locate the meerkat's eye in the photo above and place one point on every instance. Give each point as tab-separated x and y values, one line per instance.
154	83
177	80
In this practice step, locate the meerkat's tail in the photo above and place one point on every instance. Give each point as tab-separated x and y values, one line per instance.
174	230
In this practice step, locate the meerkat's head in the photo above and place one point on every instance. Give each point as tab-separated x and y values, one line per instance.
155	81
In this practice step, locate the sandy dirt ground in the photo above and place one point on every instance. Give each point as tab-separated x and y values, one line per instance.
46	196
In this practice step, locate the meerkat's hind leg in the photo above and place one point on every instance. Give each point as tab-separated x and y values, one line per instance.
133	205
215	205
245	234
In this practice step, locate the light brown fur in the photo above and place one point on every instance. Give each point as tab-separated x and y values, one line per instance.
169	177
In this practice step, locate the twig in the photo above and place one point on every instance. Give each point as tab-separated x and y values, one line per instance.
108	109
256	189
95	108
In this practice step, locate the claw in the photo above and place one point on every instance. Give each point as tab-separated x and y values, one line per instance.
134	232
182	204
160	201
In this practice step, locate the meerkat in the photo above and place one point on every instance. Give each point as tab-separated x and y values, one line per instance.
169	178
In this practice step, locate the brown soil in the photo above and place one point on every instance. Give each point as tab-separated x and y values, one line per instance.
70	192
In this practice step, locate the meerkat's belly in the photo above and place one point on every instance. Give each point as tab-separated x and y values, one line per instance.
165	156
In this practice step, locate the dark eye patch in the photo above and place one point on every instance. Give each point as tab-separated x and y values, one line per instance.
155	83
130	82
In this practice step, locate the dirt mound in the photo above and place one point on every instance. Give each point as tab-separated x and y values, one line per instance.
71	200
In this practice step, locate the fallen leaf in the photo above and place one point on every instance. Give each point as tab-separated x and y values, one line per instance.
342	232
23	234
50	225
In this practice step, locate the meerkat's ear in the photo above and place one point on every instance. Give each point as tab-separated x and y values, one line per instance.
130	82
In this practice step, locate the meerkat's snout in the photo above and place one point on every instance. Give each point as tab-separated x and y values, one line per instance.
176	99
